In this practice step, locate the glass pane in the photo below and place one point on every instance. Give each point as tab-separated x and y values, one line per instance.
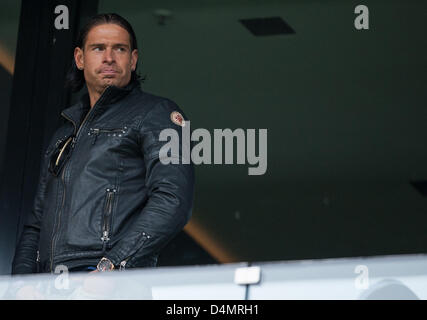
344	109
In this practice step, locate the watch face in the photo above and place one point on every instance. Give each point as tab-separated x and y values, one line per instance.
105	265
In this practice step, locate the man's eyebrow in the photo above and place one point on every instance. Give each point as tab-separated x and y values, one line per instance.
121	45
103	45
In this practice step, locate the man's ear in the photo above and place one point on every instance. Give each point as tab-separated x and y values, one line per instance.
78	58
134	59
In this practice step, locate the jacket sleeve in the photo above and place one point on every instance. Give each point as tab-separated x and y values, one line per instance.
170	192
25	257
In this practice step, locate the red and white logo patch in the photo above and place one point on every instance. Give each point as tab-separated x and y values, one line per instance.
177	118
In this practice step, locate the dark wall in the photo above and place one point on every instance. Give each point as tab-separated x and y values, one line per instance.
345	111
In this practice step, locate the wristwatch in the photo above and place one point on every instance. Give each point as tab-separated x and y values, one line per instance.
105	265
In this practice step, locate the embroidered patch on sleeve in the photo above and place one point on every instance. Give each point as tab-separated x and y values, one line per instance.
177	118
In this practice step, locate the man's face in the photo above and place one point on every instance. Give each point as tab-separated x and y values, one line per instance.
106	58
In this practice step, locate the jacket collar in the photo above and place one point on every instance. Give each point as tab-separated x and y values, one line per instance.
111	94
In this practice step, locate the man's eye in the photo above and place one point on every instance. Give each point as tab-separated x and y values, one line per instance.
97	49
120	49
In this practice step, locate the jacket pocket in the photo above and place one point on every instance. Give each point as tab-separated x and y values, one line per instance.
106	217
95	132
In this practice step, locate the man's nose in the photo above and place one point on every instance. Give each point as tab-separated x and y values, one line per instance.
108	56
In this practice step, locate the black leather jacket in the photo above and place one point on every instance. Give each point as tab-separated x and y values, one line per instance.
109	194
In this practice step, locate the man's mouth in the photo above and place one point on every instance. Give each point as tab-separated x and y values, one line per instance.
108	71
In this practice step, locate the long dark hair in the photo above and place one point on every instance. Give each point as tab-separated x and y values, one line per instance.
75	78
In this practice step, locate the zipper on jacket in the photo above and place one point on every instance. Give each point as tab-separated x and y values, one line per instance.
73	142
38	261
110	132
54	236
122	266
106	218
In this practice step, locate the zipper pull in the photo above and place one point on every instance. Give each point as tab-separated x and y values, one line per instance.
105	237
38	256
94	132
122	265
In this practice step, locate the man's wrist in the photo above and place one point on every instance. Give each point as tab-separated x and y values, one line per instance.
105	265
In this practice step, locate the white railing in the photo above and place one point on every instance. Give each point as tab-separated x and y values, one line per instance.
384	277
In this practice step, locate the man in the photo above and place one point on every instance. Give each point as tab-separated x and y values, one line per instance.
105	200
